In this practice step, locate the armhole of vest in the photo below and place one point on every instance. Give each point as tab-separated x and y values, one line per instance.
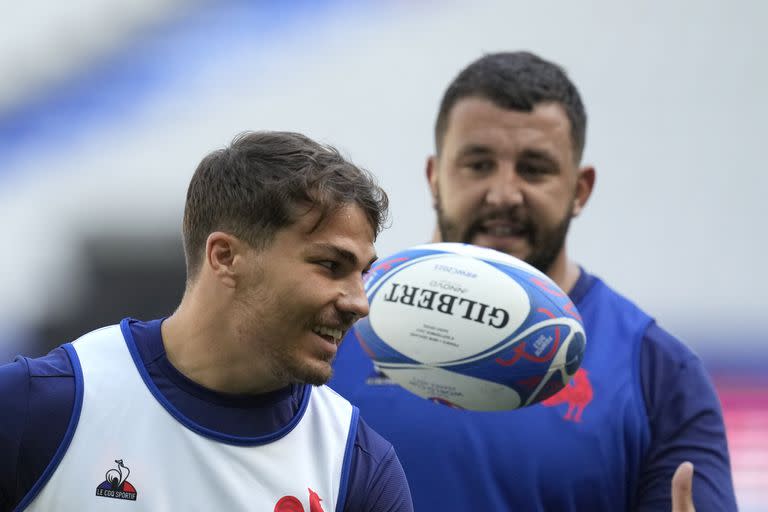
638	380
348	452
68	434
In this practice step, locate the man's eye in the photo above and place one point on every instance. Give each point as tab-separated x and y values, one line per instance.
329	264
534	170
481	165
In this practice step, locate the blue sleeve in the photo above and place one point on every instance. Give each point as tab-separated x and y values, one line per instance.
686	423
36	397
377	481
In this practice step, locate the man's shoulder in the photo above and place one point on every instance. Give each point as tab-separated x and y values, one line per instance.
52	365
656	340
661	345
36	399
666	363
55	364
371	444
661	351
591	287
605	310
377	481
37	387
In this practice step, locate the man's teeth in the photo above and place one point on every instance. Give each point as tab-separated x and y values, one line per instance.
328	331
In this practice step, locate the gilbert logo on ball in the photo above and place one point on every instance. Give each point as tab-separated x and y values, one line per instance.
470	327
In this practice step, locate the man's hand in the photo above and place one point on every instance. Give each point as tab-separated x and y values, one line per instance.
682	488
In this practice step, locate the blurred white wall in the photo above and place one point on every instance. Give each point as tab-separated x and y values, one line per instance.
674	92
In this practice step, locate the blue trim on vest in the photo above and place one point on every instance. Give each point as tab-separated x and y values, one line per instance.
195	427
348	450
77	407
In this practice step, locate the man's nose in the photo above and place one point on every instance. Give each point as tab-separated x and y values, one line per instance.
505	187
353	299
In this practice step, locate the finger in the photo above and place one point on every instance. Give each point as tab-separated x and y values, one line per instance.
682	488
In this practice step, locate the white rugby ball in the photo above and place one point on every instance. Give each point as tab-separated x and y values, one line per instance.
470	327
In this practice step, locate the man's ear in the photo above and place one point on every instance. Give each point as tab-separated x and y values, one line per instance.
432	180
432	176
585	182
222	252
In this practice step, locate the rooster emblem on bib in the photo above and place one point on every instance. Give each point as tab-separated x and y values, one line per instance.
577	394
292	503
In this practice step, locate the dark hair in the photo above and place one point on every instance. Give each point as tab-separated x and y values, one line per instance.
516	81
259	183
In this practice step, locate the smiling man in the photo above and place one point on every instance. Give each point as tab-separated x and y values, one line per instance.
220	406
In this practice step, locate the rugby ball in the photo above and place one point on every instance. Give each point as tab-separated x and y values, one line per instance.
470	327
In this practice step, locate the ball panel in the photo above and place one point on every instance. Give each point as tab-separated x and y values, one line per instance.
444	386
376	348
438	308
575	353
482	253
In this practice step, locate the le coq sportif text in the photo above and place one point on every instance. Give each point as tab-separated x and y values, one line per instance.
447	303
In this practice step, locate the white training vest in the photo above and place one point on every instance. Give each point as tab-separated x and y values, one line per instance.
129	451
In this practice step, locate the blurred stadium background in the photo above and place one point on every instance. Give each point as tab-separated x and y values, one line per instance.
108	105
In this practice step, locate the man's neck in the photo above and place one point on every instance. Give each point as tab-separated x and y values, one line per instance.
200	342
566	276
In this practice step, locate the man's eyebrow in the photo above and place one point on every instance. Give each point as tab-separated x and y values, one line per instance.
343	254
475	150
538	154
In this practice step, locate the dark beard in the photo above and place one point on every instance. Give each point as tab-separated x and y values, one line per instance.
287	368
545	251
545	246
